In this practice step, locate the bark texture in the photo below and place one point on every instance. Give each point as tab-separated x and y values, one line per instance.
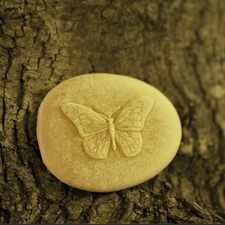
178	46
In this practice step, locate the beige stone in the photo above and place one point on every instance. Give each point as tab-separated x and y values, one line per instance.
106	132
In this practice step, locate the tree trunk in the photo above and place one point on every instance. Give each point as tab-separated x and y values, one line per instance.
178	46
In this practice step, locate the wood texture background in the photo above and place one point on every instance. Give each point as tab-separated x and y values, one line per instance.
178	46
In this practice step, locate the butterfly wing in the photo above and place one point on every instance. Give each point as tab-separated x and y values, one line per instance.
129	142
97	146
128	124
91	126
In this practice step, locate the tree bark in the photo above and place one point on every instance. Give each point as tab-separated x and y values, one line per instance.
178	46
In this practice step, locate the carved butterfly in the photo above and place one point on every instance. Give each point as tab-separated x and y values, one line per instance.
122	128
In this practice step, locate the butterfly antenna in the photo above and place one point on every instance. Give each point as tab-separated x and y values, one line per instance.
116	112
101	114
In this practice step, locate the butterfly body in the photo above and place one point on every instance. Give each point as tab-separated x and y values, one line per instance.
122	129
112	133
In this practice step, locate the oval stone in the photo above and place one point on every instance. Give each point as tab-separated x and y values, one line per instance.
105	132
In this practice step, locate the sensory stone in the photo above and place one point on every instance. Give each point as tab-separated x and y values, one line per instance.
106	132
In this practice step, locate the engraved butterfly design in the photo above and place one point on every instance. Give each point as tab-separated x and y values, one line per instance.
122	129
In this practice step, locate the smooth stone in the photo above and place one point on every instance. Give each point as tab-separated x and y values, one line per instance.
106	132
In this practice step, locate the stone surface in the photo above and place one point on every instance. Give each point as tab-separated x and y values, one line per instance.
106	132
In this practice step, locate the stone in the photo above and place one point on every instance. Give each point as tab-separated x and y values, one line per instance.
106	132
